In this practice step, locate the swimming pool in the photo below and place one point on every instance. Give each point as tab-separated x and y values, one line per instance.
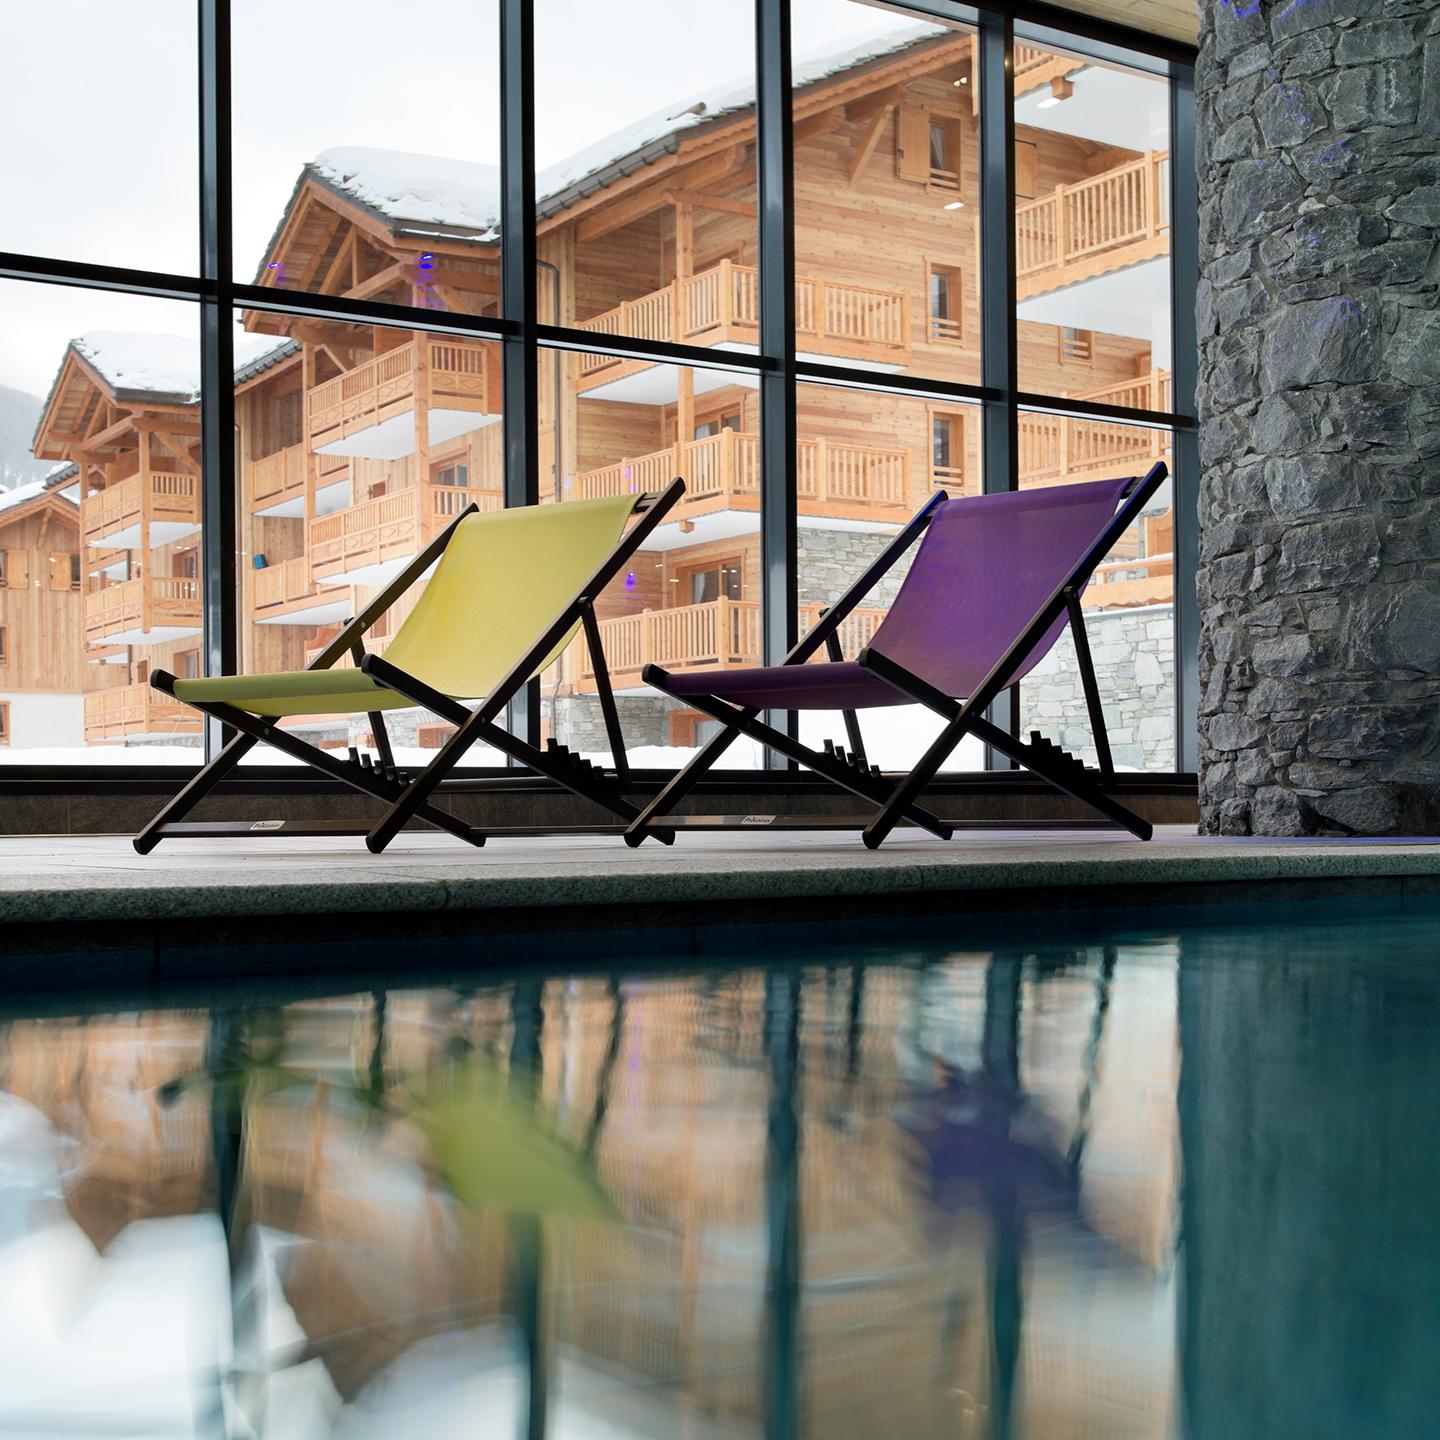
1173	1179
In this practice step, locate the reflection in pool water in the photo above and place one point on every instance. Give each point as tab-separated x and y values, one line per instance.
836	1191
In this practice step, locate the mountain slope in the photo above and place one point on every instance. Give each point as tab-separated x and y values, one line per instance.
19	414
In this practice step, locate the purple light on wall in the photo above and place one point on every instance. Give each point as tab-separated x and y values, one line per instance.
630	581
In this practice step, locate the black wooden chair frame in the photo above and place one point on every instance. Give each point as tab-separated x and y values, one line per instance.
409	798
898	802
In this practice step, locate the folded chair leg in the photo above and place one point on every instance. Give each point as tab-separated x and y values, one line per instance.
681	783
1076	785
368	782
194	792
746	723
1096	711
909	789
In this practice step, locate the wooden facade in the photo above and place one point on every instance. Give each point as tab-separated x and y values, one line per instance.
355	444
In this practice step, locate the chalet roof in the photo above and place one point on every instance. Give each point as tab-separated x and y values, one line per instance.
22	495
162	368
430	195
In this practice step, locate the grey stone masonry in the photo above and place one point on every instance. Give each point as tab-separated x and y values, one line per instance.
1133	652
1319	405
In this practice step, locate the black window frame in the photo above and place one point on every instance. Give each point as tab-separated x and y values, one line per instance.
776	367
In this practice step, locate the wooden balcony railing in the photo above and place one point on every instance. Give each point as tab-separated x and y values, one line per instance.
287	585
168	497
1079	231
722	472
278	477
723	304
391	527
446	374
1147	392
150	602
718	634
1123	584
1056	449
136	710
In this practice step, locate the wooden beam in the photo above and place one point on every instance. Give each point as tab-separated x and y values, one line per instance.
380	280
645	202
179	452
703	201
865	146
816	125
880	100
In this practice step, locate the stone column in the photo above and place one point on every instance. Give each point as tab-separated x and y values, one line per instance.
1319	402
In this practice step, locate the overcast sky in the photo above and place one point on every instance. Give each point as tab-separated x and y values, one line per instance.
104	94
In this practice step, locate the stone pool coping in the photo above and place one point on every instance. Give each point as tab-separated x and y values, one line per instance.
570	882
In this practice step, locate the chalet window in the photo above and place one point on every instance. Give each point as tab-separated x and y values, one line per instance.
187	664
944	152
15	569
947	447
703	584
456	474
188	565
946	306
1077	347
65	571
4	647
729	420
4	722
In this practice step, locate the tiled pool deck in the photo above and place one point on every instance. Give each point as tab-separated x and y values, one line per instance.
581	882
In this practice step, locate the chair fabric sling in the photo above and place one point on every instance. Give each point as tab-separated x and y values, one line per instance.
985	565
502	577
994	582
507	591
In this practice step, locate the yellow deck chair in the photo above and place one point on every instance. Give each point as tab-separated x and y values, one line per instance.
510	589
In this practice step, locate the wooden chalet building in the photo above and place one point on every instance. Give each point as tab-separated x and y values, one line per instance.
355	443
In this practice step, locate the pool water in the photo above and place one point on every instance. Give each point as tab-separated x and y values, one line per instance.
972	1182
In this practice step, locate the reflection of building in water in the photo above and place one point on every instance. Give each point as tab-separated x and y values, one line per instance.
679	1091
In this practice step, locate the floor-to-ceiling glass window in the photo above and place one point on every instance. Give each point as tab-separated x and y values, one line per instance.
370	223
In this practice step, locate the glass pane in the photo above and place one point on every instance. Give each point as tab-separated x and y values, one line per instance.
356	446
887	204
691	599
100	525
98	103
1092	230
866	462
645	183
379	180
1129	605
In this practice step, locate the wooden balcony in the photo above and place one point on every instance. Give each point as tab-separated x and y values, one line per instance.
279	479
287	593
1059	449
370	410
353	545
149	610
1153	391
717	635
1123	584
721	306
1101	224
112	518
722	472
136	711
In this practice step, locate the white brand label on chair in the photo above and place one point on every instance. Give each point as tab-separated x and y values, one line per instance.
757	819
268	825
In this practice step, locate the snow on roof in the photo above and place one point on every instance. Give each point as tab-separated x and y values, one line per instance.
417	192
24	494
169	365
714	104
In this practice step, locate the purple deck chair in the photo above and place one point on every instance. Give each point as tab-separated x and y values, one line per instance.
994	583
